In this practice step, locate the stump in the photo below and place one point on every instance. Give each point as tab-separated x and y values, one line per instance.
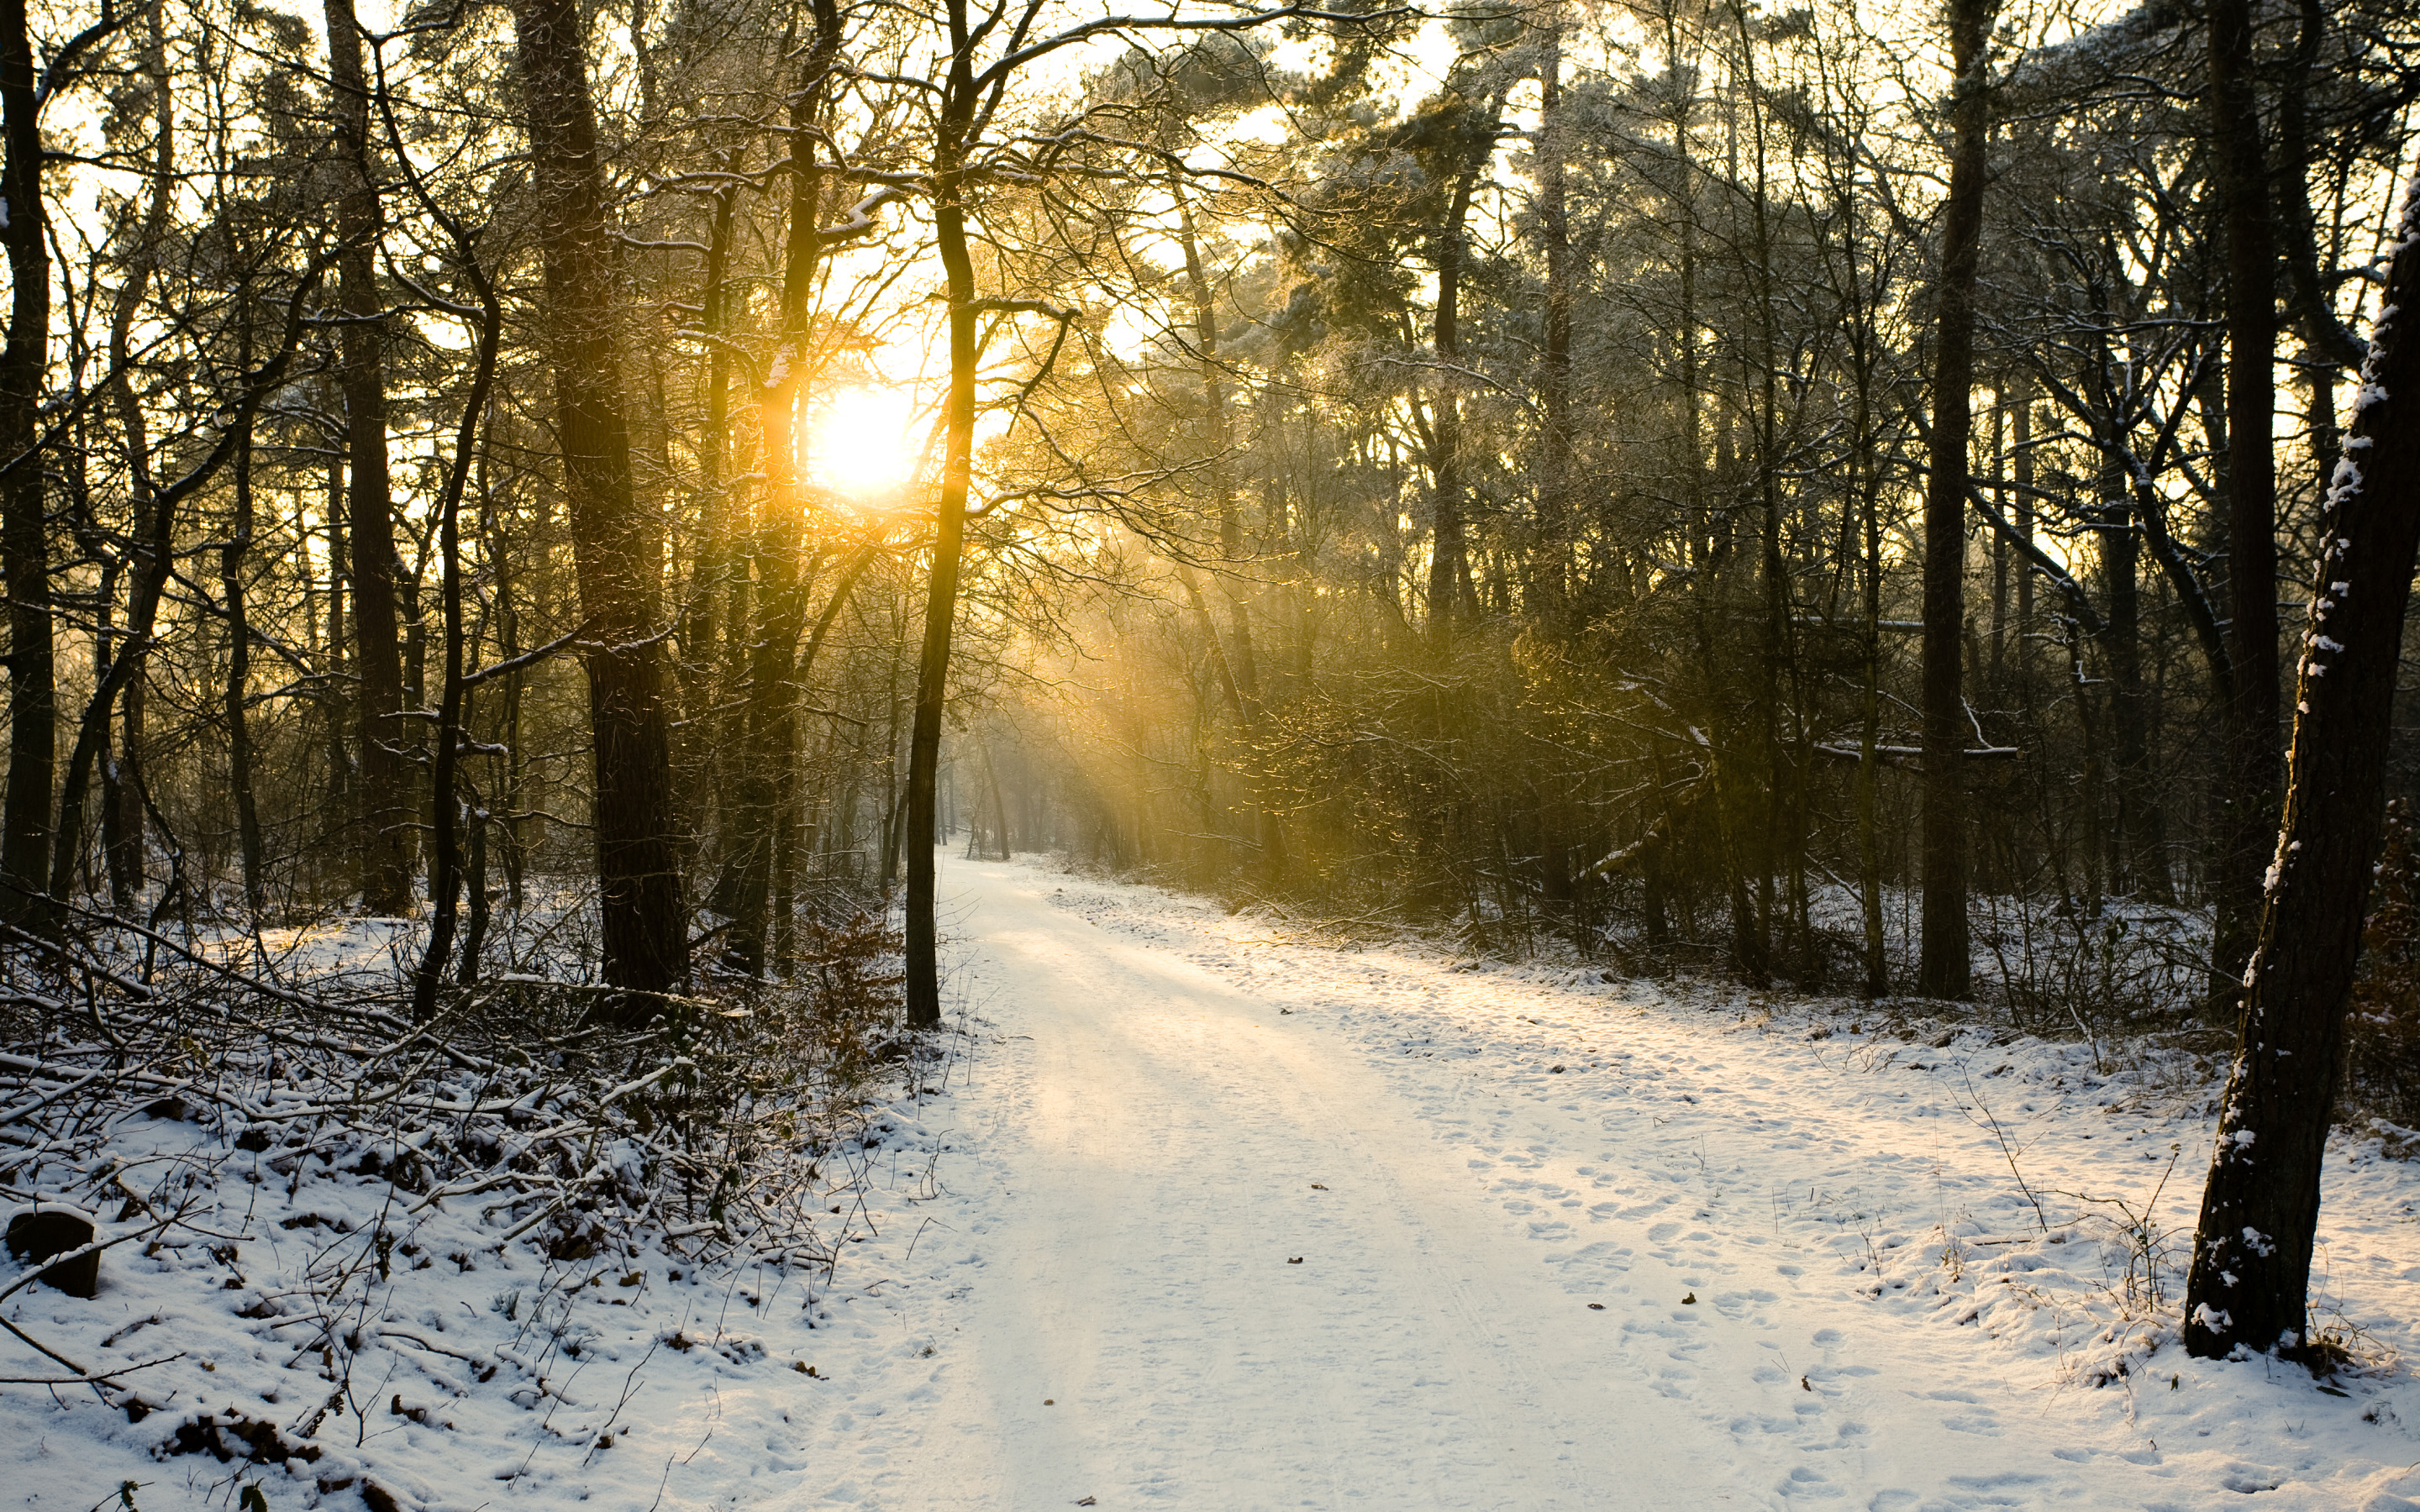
35	1235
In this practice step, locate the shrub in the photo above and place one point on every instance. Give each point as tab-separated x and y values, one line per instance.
2382	1030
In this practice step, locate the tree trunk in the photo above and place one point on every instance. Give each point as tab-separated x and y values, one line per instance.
618	545
709	664
122	780
1942	968
2139	839
1241	667
2250	813
336	706
765	784
238	676
1551	574
1778	841
1867	504
385	809
768	787
2251	1271
446	809
948	537
121	799
24	539
1448	553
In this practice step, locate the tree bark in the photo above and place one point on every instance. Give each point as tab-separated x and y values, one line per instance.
2250	1282
948	537
24	539
336	706
385	809
1448	552
1943	966
618	545
1551	574
236	700
121	797
122	811
2250	811
2139	839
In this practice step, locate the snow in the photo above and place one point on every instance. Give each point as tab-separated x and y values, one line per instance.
1209	1216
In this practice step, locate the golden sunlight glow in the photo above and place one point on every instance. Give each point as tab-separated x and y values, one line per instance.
863	441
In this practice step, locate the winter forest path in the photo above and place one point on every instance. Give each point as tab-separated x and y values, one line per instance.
1556	1251
1167	1144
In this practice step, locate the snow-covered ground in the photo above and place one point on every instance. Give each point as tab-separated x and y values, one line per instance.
1207	1218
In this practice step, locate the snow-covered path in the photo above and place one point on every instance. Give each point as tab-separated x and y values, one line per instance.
1560	1244
1231	1268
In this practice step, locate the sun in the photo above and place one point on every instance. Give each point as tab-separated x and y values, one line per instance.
863	441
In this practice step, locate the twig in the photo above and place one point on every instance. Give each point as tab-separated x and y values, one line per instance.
2007	1150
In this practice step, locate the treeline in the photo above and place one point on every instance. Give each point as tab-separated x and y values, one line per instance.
408	508
1571	545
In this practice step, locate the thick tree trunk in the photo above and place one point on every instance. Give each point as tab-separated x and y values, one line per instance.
2250	1280
2250	813
1943	968
618	545
385	809
24	541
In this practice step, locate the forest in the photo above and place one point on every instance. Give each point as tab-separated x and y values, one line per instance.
531	530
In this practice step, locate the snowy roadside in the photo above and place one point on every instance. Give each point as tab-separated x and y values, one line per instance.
322	1324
